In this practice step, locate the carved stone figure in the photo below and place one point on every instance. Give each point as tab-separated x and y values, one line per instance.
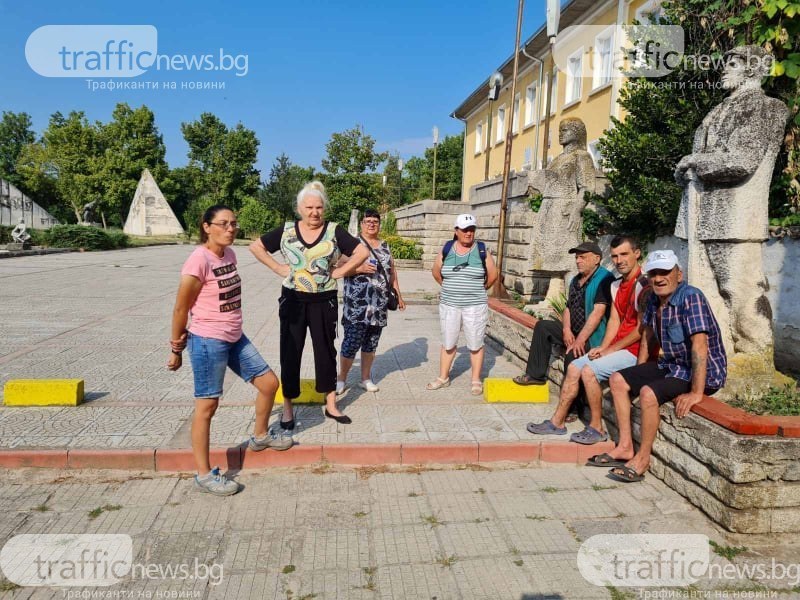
19	234
88	212
563	184
723	213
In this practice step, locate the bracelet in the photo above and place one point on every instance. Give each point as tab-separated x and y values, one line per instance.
178	353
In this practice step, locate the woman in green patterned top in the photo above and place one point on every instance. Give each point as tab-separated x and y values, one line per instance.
311	248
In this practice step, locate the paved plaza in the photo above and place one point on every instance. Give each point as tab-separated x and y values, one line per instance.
401	533
104	317
499	531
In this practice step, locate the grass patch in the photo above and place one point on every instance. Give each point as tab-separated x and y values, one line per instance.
360	514
41	508
519	562
597	487
479	520
480	491
7	586
370	573
94	513
783	401
618	595
536	517
367	472
411	430
550	489
729	552
288	569
431	520
413	494
446	561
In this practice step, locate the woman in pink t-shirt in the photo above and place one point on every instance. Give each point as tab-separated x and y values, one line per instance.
211	292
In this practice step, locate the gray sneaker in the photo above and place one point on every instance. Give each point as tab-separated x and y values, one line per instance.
276	441
216	483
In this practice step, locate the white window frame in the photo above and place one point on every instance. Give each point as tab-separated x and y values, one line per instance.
574	85
599	77
515	114
479	137
501	124
531	97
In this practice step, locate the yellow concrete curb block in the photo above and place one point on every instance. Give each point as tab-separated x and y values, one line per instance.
43	392
308	395
505	390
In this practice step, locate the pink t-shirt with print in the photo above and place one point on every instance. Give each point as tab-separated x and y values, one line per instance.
217	312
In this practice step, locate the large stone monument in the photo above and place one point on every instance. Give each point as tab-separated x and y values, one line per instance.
150	214
723	213
563	185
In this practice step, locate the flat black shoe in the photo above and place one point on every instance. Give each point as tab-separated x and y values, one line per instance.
287	425
343	419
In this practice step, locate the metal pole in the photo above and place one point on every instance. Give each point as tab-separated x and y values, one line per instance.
488	143
433	193
499	289
546	145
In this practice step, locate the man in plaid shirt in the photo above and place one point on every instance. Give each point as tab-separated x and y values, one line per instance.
691	363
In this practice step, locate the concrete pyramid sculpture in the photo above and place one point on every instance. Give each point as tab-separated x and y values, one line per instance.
150	214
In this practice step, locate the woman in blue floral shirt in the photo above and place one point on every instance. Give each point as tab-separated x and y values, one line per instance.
365	298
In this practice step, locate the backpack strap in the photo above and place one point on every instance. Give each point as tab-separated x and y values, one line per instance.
448	245
482	254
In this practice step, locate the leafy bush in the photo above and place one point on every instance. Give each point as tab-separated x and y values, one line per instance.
775	401
81	236
402	248
255	218
789	221
5	234
389	226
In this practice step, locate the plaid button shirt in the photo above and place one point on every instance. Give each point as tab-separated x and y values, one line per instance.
686	313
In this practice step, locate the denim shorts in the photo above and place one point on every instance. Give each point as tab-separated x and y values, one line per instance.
605	366
211	356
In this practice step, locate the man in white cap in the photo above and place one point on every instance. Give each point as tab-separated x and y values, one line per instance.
691	363
465	270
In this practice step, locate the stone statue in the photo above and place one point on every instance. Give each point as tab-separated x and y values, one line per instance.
88	212
563	184
723	213
20	234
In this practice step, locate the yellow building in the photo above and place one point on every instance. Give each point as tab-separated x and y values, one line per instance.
586	86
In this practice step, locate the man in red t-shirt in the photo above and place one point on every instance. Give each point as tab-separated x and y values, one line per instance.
618	350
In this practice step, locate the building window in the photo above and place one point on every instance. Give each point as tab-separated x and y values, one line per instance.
574	77
501	124
594	150
650	12
479	138
515	115
530	104
603	58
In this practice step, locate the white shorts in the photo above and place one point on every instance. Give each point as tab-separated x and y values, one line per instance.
472	319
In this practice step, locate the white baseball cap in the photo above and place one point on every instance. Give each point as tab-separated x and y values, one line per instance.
465	220
661	259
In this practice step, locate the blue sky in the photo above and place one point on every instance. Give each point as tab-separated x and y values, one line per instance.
314	67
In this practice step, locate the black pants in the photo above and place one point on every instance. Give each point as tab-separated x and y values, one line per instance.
300	312
546	334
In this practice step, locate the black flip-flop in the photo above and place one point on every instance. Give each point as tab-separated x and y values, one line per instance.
605	460
628	475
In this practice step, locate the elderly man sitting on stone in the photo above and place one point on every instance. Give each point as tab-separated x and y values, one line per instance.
582	327
618	350
692	363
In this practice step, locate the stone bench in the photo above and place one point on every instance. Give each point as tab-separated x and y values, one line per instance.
742	470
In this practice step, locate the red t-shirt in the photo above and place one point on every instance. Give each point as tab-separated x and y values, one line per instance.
627	296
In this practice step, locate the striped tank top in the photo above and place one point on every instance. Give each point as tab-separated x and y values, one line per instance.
462	278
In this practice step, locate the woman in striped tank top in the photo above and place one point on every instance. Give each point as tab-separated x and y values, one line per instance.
463	304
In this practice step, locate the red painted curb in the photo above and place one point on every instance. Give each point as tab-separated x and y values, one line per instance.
295	456
45	459
512	313
182	459
414	454
585	452
135	459
515	451
362	454
559	452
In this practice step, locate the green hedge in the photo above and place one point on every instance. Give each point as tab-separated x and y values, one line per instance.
81	236
402	248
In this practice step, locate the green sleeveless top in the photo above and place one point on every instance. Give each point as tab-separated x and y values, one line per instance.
311	268
462	278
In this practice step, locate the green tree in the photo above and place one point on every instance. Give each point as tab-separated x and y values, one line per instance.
350	176
280	190
226	158
418	184
392	183
131	143
255	218
15	134
67	160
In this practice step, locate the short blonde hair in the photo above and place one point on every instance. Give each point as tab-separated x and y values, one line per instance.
315	188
